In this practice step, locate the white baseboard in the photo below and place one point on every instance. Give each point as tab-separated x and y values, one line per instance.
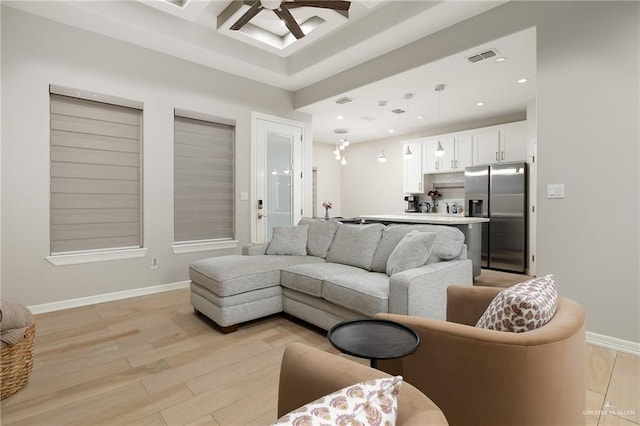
614	343
107	297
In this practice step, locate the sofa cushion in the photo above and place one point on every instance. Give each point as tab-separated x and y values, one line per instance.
447	246
374	402
522	307
234	274
308	278
321	233
411	252
289	241
355	245
364	293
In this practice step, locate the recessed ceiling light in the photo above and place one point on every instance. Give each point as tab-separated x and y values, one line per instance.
420	117
523	80
339	117
480	104
501	59
391	130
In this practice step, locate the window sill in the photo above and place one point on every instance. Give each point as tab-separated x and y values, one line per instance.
207	246
103	256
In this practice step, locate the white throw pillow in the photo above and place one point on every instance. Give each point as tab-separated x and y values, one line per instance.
289	240
522	307
368	403
411	252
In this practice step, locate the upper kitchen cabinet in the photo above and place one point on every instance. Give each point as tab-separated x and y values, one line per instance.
413	167
500	144
457	154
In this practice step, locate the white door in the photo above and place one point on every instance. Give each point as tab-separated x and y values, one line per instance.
278	177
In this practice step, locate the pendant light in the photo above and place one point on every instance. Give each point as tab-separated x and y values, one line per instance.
344	160
382	158
408	154
439	150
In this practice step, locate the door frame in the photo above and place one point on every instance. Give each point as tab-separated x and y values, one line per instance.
307	162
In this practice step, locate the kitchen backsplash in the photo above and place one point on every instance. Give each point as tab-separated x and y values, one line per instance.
450	185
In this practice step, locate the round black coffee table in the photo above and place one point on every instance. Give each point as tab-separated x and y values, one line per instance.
374	339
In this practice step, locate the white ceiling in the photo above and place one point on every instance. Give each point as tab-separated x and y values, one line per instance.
374	27
494	83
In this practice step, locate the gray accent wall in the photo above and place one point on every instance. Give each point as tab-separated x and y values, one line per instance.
588	138
37	52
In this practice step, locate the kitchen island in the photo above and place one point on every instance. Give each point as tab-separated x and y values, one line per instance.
472	234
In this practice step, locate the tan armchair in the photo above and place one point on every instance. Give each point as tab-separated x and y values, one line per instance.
494	378
308	374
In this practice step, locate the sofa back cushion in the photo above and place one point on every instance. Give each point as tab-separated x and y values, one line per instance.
321	233
448	244
289	240
411	252
355	245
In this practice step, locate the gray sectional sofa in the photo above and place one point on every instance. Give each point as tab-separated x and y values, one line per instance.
324	272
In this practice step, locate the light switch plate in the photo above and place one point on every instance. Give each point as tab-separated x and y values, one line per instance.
555	190
244	196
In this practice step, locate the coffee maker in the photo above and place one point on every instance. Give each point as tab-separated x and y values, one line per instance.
412	204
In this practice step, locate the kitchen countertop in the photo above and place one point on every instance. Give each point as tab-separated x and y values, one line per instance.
433	218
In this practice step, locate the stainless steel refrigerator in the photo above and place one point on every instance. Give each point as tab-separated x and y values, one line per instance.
499	192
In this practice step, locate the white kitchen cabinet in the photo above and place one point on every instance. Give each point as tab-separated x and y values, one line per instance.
501	144
413	168
486	147
513	143
457	154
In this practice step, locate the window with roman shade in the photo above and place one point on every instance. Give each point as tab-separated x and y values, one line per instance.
203	179
95	172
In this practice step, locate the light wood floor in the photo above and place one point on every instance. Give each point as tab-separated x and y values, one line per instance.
151	361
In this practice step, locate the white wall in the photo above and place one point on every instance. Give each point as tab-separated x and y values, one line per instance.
371	187
588	138
37	52
329	183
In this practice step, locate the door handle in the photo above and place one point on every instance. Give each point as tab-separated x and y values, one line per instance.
260	215
502	155
496	155
452	166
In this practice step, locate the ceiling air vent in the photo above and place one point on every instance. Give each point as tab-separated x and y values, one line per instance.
483	55
340	131
398	111
343	100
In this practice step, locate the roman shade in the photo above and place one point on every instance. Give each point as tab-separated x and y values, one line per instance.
203	180
95	173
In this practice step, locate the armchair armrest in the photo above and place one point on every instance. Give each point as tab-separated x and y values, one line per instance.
307	374
255	249
423	291
465	305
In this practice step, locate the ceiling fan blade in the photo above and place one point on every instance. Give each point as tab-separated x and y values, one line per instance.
253	11
342	7
290	22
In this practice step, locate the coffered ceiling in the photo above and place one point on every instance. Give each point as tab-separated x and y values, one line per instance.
198	31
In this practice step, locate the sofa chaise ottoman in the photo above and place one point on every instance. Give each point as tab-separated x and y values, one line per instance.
324	272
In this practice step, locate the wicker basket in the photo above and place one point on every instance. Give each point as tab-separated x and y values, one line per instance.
17	363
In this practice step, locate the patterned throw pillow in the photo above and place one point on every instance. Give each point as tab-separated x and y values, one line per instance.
368	403
522	307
